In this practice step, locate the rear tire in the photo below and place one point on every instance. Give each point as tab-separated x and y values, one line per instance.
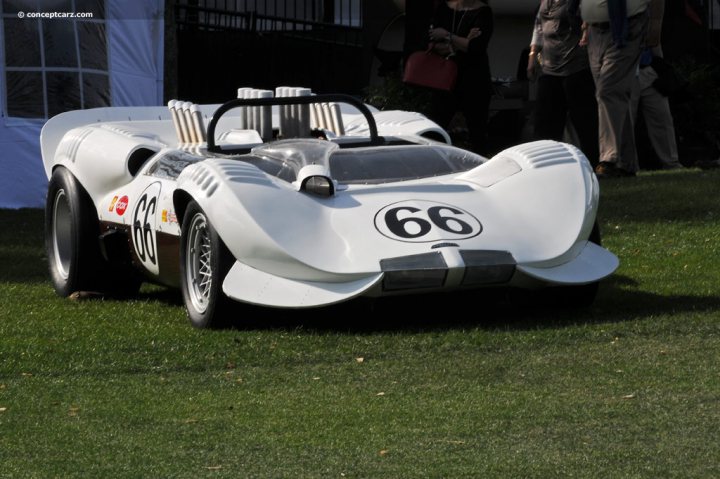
71	235
72	242
204	263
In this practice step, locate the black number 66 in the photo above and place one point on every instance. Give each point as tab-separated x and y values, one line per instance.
444	217
143	234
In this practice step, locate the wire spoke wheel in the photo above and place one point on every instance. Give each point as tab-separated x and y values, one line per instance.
204	264
198	267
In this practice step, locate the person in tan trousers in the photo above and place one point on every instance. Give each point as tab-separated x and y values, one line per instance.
615	35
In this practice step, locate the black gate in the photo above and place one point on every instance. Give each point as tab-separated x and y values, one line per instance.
226	44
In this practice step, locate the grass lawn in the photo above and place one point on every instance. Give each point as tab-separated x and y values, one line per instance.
627	388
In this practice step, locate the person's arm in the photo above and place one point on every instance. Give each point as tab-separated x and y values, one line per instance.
536	43
480	33
478	37
584	36
461	43
656	10
447	41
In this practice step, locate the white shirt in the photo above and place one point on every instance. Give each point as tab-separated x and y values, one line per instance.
596	11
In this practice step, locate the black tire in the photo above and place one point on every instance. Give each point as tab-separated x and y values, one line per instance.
72	243
202	253
71	235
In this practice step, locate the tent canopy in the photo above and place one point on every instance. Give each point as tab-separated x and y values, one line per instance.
62	55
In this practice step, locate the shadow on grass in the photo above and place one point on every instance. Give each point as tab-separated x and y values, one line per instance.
619	198
22	251
619	300
22	260
490	309
23	267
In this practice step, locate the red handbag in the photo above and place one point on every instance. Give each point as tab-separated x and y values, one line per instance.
430	70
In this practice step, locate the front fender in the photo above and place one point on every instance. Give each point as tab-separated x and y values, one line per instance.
216	185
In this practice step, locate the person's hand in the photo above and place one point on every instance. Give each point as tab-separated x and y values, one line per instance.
584	38
438	34
474	33
442	49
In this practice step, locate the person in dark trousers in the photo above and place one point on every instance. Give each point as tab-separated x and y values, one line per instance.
461	30
565	89
650	103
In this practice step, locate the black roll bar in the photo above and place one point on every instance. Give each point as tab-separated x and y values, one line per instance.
291	100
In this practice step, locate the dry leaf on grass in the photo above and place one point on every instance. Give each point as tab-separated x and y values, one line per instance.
629	396
83	295
3	409
383	452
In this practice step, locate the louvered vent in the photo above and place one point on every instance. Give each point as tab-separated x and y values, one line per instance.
70	144
541	154
238	172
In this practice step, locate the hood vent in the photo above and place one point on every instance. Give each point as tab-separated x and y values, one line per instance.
541	154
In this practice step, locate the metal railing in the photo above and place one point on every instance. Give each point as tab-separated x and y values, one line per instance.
336	21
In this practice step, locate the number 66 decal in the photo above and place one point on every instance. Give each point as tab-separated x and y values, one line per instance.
421	221
143	227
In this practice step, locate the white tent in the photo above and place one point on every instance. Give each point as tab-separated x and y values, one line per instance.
60	55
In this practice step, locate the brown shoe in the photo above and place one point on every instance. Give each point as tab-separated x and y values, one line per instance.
606	169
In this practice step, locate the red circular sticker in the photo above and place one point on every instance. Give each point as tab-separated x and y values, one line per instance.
121	205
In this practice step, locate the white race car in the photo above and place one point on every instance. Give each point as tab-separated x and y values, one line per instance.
301	200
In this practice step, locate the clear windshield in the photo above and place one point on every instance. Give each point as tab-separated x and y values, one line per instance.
399	163
365	165
284	159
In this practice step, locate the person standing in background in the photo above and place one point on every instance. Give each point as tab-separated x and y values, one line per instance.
566	88
649	102
461	30
616	35
654	108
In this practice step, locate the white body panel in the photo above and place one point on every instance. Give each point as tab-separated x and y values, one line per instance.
153	127
534	203
251	285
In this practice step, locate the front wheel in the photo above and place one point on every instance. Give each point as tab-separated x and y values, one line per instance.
204	263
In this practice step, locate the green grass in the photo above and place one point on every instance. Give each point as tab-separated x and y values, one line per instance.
627	388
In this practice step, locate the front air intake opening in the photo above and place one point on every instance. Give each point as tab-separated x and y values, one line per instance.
138	158
487	267
420	271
